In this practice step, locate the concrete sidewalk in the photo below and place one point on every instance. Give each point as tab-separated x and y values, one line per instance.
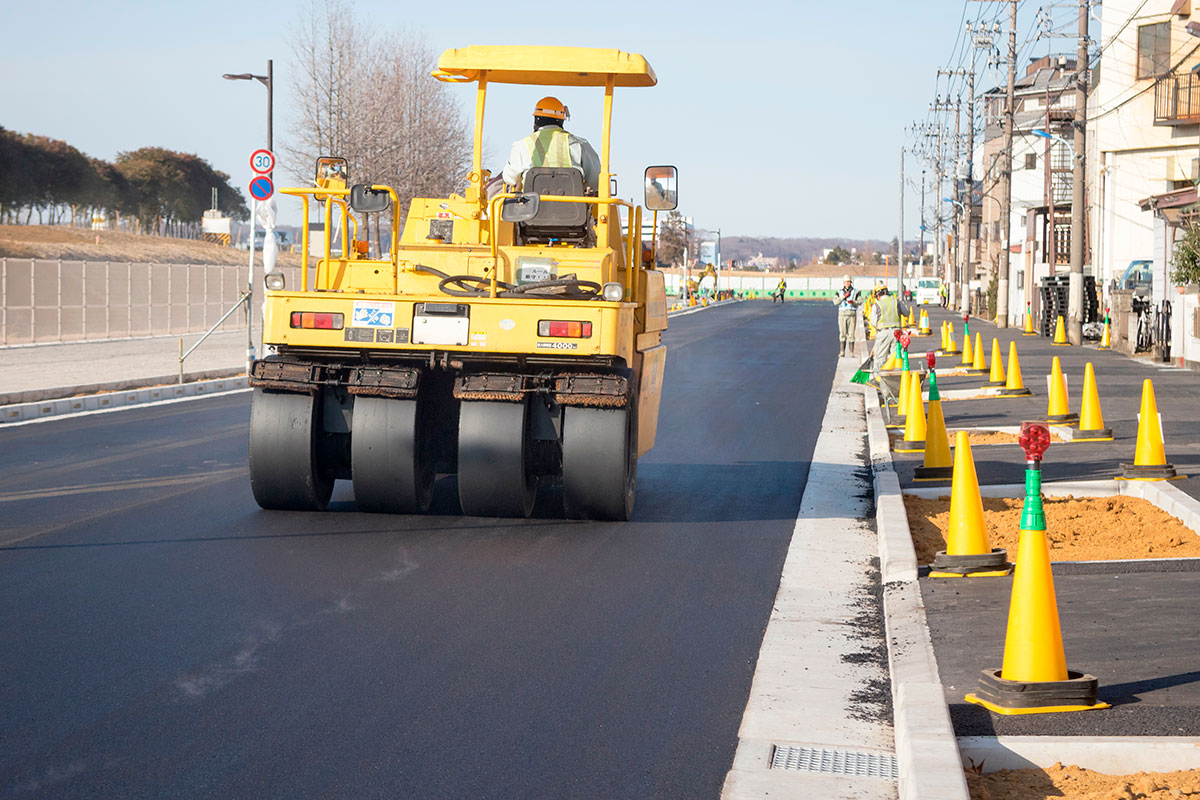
50	371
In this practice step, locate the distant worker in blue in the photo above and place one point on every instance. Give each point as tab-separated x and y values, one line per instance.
551	146
847	305
887	314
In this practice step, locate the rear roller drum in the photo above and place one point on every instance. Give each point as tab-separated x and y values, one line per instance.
494	475
285	472
599	462
391	468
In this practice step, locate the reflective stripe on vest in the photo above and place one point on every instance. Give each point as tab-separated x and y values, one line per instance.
549	147
889	312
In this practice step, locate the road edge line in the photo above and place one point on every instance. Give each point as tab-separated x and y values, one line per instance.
927	754
106	401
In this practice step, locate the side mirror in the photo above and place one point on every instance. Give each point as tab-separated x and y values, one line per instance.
521	208
332	173
365	200
661	189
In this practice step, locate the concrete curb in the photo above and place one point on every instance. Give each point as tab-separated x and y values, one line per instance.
927	754
683	312
22	412
1112	755
41	395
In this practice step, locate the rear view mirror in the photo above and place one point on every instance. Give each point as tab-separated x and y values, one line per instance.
365	200
661	189
521	208
332	173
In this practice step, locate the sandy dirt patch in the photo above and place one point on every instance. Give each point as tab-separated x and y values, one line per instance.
1075	783
1079	529
78	244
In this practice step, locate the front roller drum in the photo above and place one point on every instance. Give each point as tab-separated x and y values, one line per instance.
285	472
495	478
390	463
599	463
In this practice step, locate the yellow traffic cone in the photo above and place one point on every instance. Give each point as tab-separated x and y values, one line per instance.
967	549
938	464
914	419
997	376
1091	421
979	364
1060	333
1013	385
1057	409
1034	678
912	320
923	327
943	345
968	352
1106	339
1029	331
1150	457
951	346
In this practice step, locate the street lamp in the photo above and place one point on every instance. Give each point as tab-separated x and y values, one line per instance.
265	80
1055	137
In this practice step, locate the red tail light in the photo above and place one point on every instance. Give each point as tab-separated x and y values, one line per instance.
313	319
565	329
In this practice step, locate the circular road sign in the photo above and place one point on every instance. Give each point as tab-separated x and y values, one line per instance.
261	187
262	161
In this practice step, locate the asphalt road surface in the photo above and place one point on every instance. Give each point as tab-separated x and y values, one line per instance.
160	636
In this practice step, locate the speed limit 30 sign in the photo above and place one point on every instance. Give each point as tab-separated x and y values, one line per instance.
262	161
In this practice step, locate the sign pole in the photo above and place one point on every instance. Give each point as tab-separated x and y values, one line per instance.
250	294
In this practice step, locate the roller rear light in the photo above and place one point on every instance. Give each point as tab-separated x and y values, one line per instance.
318	320
564	329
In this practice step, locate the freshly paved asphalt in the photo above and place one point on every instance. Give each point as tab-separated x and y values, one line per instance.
1133	626
160	636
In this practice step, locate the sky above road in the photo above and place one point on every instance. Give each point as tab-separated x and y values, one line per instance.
784	118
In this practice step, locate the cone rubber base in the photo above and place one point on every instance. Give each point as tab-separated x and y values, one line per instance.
905	446
1023	333
1061	344
1060	419
933	473
1022	392
1077	693
957	566
1096	435
1156	472
1002	573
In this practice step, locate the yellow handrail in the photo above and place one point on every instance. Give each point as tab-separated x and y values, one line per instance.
304	193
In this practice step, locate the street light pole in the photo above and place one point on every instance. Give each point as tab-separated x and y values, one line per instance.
1075	288
268	81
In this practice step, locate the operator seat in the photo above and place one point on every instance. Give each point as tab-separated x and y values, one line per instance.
564	222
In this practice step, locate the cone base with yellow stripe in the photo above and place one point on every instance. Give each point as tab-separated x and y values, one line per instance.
1062	419
985	565
933	473
1156	472
1022	392
1010	698
1096	435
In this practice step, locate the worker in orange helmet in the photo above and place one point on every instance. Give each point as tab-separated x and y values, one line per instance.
551	146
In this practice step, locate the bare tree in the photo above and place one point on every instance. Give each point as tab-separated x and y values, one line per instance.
369	98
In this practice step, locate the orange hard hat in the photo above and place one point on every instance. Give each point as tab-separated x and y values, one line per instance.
551	107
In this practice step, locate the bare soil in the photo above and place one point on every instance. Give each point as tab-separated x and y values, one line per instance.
79	244
1075	783
1079	529
996	437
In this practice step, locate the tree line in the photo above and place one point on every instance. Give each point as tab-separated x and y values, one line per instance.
158	191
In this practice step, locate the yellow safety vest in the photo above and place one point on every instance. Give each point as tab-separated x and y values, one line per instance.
549	147
889	312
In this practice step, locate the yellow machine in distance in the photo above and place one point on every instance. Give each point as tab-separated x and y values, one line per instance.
515	340
693	284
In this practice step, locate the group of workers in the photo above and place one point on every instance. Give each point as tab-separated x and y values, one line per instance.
883	310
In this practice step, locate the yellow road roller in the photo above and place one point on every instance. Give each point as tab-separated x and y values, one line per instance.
511	336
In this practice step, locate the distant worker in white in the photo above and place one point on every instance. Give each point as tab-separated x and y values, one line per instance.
847	304
551	146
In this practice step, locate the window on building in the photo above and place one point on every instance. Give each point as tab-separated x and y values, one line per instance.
1154	50
1031	161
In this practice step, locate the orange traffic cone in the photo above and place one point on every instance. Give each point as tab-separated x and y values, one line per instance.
1014	386
997	376
967	550
1057	410
968	352
1091	421
1060	334
938	464
914	419
979	364
1029	331
1034	678
1150	458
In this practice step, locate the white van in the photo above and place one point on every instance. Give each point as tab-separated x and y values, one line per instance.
927	291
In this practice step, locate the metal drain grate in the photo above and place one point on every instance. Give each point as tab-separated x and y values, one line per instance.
835	762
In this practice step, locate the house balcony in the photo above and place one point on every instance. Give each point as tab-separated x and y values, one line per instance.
1177	100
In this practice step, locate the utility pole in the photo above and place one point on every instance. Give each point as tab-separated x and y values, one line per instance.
965	230
900	240
1006	172
921	246
1075	287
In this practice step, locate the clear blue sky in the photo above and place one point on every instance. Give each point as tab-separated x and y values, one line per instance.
784	118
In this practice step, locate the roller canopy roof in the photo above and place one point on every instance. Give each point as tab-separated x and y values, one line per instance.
545	66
